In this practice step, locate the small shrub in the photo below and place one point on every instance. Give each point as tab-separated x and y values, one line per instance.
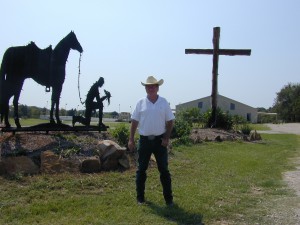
246	129
69	152
237	121
181	128
181	132
184	140
190	115
121	134
16	176
224	119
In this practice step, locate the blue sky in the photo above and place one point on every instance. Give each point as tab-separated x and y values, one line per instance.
126	41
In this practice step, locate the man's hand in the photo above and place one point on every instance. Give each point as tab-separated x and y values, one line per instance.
133	127
165	142
131	145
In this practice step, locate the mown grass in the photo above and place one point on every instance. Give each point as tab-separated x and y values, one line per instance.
259	127
27	122
212	182
33	121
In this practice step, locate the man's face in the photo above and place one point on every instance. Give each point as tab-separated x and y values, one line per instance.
152	89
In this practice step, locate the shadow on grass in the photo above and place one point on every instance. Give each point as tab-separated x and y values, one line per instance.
176	214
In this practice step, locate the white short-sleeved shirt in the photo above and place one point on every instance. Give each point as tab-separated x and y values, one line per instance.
152	117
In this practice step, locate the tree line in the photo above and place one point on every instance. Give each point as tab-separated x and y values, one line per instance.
286	105
35	112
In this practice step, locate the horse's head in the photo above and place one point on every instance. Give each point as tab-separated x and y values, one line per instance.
74	43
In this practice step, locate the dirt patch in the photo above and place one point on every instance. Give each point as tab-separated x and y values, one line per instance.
84	142
286	210
199	135
29	143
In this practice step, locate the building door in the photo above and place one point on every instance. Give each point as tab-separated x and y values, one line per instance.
249	117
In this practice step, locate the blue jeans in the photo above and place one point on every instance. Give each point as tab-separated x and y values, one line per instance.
145	149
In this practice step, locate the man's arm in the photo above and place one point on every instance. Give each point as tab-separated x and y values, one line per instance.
167	134
131	143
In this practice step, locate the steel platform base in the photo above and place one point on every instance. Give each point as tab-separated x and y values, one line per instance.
53	127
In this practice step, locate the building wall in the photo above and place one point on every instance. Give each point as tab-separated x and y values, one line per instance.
226	104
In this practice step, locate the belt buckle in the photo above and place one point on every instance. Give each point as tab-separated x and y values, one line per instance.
151	137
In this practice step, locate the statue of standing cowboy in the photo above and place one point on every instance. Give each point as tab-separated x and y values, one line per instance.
91	105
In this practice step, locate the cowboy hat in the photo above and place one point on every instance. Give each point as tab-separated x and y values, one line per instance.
151	80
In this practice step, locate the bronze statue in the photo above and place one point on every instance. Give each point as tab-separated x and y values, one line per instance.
46	67
91	105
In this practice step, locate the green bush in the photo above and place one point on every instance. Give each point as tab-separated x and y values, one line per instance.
190	115
246	129
224	119
121	134
237	121
181	132
181	128
184	140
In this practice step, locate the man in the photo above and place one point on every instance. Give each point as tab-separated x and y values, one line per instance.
91	105
154	118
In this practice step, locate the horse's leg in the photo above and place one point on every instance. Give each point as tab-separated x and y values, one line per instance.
4	102
4	108
57	112
16	109
56	91
51	112
6	113
6	121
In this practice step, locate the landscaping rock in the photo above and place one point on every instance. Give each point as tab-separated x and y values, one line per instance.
52	163
254	136
91	165
113	156
15	165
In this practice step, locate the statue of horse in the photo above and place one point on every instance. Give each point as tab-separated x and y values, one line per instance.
19	63
46	67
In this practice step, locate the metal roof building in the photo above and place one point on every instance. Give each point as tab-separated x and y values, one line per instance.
231	106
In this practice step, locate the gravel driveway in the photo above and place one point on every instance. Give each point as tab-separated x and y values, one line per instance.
289	212
284	128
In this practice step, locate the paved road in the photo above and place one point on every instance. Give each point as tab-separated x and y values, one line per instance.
285	128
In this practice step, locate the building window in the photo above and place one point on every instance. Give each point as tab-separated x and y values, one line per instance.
200	105
232	106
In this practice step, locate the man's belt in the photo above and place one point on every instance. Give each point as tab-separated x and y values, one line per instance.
151	137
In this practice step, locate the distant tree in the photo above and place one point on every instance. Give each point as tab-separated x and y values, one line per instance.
114	114
24	111
34	112
71	112
261	109
287	103
44	111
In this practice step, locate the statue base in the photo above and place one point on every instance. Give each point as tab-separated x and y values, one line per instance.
46	127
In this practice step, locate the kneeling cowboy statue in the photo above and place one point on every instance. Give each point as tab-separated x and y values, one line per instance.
91	105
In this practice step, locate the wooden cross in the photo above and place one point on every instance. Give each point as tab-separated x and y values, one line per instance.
216	52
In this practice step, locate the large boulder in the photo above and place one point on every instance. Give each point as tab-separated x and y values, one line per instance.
113	156
53	163
91	165
18	165
254	136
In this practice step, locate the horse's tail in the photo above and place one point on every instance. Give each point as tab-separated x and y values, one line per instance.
3	69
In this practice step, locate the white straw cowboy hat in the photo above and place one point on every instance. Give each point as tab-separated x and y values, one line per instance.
152	80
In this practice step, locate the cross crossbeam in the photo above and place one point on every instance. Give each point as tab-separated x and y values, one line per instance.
230	52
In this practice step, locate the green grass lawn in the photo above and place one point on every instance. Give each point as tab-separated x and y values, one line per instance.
235	182
259	127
